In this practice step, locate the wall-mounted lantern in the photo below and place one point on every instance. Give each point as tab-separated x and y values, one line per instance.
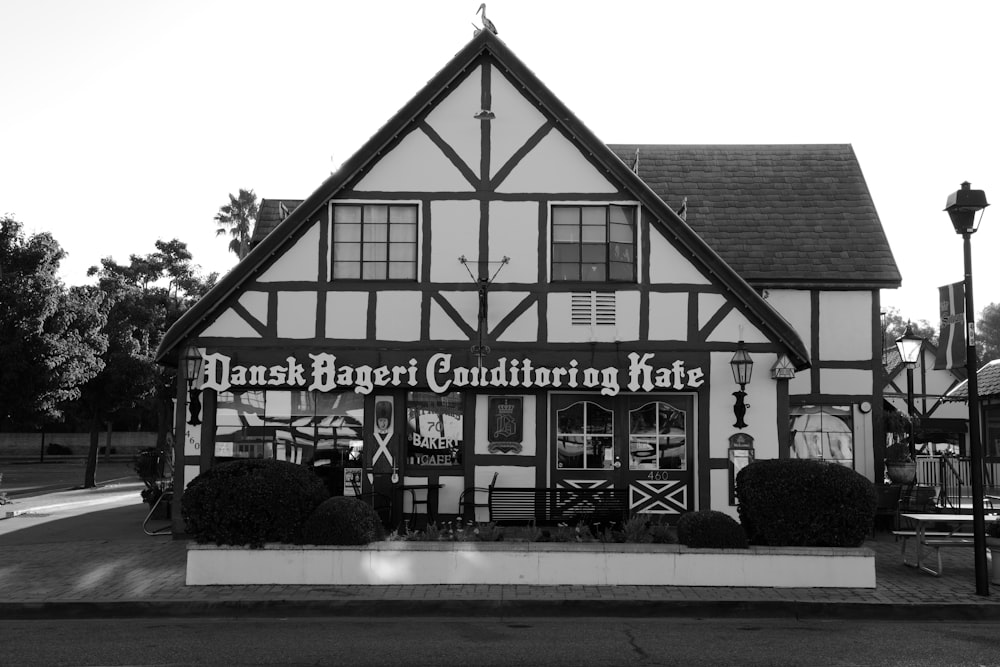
742	366
191	364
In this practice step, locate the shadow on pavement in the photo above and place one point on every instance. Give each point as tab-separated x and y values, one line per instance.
114	524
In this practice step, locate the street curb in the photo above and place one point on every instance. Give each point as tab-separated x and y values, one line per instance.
500	609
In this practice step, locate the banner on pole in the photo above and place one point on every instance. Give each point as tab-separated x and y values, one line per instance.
952	345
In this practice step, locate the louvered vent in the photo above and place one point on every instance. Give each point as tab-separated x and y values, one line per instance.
593	308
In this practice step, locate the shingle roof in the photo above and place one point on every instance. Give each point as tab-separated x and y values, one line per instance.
781	215
988	383
269	214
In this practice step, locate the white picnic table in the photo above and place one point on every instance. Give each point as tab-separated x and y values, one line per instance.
924	538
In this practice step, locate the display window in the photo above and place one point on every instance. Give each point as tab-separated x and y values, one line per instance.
657	437
435	426
823	432
310	428
585	436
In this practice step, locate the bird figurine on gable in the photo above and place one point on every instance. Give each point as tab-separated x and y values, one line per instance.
487	24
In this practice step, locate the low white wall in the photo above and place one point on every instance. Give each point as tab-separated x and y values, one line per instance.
531	563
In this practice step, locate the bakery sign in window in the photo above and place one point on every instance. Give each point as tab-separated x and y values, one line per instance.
505	424
434	429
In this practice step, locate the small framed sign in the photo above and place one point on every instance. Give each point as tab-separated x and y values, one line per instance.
505	424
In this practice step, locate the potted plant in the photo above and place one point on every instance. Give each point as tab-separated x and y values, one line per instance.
899	465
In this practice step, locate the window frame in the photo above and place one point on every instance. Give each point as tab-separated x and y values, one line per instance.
608	262
417	242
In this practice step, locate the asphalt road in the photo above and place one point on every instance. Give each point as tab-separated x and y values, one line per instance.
363	642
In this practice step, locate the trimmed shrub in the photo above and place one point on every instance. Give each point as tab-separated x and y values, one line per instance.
799	502
251	501
709	529
341	520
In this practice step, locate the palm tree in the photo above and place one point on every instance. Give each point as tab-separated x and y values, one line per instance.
238	218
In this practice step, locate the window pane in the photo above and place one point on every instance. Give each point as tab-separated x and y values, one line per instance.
376	213
565	252
403	214
621	233
399	233
342	213
347	270
599	453
566	271
345	252
621	214
569	451
375	252
621	252
566	233
592	253
620	271
402	252
373	272
402	271
594	234
566	215
346	232
599	420
570	420
593	272
376	233
594	216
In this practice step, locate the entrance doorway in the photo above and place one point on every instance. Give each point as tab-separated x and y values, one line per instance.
642	443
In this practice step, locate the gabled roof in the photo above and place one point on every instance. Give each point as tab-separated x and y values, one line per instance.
781	215
988	383
485	44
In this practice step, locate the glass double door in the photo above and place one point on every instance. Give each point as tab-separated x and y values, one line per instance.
643	444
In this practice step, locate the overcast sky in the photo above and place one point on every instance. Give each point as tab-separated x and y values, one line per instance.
127	121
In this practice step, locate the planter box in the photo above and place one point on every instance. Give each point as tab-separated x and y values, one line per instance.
531	563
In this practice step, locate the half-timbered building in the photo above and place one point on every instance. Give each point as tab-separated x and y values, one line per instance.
487	293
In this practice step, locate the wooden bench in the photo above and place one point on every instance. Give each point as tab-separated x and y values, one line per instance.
935	540
556	505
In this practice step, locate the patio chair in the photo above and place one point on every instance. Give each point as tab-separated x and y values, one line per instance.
475	497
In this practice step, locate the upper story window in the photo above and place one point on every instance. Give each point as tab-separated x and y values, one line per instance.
374	242
593	243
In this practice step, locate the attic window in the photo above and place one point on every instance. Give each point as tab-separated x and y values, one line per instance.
592	308
374	242
593	243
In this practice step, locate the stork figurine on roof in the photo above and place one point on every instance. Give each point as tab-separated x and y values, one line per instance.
488	24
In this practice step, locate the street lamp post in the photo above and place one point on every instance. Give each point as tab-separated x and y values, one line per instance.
909	346
962	207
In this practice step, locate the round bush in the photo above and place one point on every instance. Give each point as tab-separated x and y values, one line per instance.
341	520
251	501
798	502
709	529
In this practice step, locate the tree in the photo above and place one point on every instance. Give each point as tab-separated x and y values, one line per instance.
238	218
988	330
894	326
50	337
140	310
